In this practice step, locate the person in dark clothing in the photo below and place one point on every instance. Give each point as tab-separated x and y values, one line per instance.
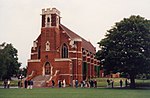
108	82
95	83
126	82
76	83
92	84
59	83
19	84
25	84
121	82
89	85
28	84
5	83
112	83
31	84
53	83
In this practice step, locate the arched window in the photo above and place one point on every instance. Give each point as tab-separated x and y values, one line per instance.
48	19
47	68
64	51
39	52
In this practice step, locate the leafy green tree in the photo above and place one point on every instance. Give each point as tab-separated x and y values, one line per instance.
9	64
126	47
22	71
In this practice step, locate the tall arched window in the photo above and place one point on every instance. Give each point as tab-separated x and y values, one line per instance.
64	51
48	19
39	52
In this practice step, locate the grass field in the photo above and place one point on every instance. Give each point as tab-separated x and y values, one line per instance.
74	93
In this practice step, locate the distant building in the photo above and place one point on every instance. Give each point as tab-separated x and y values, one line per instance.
59	53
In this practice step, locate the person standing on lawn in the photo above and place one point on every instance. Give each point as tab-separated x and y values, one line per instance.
108	82
5	83
53	83
8	83
121	82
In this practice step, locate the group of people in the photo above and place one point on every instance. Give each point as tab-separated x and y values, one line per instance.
110	83
6	83
27	84
61	83
90	83
76	83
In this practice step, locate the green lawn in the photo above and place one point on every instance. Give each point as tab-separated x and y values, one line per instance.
74	93
102	82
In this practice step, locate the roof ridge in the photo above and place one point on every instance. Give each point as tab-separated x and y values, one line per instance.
86	44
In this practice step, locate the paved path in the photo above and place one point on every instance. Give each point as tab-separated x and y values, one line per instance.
10	86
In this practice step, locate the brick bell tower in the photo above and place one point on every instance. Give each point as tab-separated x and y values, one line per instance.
46	46
50	40
50	18
50	29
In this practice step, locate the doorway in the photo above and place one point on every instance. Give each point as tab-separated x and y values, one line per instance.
47	68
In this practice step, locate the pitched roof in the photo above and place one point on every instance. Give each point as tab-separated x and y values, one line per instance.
85	44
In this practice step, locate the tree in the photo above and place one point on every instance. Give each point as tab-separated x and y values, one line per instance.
126	47
9	64
22	71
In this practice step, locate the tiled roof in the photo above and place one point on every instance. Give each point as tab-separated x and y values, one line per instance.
85	44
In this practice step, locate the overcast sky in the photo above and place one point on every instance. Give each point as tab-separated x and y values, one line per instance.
20	20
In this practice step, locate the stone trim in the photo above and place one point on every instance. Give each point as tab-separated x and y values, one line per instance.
34	53
38	60
65	74
62	59
77	39
78	75
75	51
76	58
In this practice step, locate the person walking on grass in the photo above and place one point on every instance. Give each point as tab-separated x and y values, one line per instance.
112	83
95	83
126	82
76	83
25	84
59	83
31	84
5	83
64	83
8	83
53	83
121	82
108	82
28	84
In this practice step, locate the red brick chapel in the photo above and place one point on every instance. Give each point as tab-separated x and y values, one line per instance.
58	53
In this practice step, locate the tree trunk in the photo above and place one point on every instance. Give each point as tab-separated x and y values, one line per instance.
132	80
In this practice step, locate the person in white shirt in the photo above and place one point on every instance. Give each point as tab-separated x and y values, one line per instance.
64	83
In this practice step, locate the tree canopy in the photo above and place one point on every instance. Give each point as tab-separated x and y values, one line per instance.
9	64
126	47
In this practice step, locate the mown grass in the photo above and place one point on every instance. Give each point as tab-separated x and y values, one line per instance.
74	93
102	82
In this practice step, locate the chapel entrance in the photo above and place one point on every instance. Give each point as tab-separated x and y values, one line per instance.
47	68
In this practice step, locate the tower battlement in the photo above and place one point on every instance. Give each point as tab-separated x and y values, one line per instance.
50	11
